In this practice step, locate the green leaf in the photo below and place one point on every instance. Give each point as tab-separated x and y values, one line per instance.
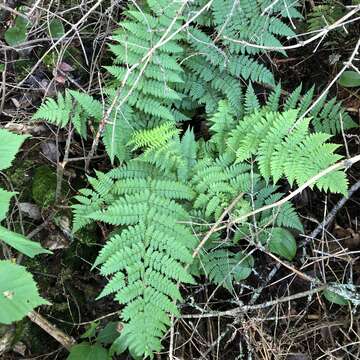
18	293
15	35
188	150
244	267
86	351
9	146
5	197
282	243
2	67
21	22
109	333
90	331
21	243
56	28
119	345
349	79
334	298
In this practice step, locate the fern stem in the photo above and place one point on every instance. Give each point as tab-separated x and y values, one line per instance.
61	165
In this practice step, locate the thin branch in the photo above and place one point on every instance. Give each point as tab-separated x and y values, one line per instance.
333	81
214	228
330	217
65	340
245	308
300	44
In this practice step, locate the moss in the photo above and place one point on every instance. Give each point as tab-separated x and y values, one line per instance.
19	174
44	186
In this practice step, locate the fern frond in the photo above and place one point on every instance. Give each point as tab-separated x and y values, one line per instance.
251	100
296	154
154	138
222	123
151	89
223	267
57	111
147	257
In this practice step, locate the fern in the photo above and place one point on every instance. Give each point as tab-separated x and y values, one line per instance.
150	87
79	108
175	179
57	112
147	257
328	116
324	15
214	64
154	138
297	154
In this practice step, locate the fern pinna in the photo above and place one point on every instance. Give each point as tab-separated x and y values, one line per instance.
146	257
145	71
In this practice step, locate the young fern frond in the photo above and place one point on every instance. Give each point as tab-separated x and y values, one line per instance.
154	138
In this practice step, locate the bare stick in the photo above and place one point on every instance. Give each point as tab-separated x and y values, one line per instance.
61	166
300	44
332	213
65	340
57	42
246	308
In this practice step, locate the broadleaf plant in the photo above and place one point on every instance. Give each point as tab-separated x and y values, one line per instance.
18	291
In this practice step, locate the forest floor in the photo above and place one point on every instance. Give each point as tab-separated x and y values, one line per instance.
290	328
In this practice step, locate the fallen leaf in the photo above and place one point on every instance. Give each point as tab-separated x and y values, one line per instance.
65	67
60	79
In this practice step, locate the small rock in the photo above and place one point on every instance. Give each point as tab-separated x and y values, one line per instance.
19	348
50	151
31	211
299	356
56	241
